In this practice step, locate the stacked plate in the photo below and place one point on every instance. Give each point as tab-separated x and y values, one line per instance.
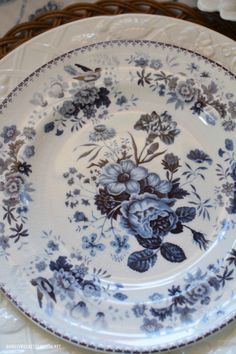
118	186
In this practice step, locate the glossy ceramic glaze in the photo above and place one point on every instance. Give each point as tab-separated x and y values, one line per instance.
118	186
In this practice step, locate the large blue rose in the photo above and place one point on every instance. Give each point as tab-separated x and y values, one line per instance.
147	216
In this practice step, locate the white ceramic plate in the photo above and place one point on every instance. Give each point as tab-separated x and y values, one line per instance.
123	155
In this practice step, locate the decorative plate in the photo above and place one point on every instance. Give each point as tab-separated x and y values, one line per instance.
118	187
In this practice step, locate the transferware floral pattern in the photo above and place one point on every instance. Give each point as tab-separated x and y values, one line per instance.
130	192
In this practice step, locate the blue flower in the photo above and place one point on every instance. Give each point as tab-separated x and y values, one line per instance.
80	216
199	156
14	185
151	326
91	289
141	61
121	100
101	132
161	126
80	271
229	145
139	310
4	242
9	133
87	96
120	243
40	266
192	67
53	246
69	109
29	151
197	291
65	283
122	177
89	111
185	313
153	184
146	215
88	243
29	132
185	91
155	297
155	64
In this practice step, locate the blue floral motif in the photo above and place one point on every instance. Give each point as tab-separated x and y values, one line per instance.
199	156
151	326
120	244
9	133
89	243
122	177
128	195
147	216
52	245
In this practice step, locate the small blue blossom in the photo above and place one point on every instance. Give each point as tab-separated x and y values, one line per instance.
91	289
29	151
229	145
29	132
141	62
155	64
22	210
139	310
155	297
4	242
192	67
80	216
88	243
185	313
53	246
80	271
72	170
199	156
121	100
9	133
151	327
205	74
210	119
120	243
213	268
40	266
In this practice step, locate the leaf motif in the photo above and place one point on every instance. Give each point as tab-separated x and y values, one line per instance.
90	144
150	243
95	155
154	156
186	214
134	148
86	153
169	138
178	229
172	253
101	163
143	260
